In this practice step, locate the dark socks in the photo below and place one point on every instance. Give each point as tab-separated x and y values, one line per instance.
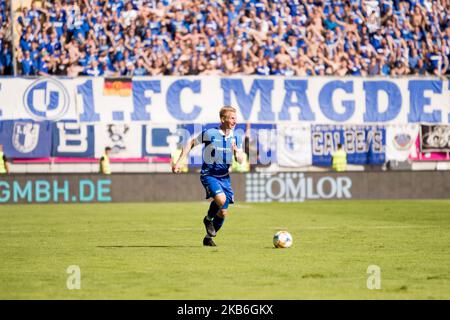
213	209
218	222
212	215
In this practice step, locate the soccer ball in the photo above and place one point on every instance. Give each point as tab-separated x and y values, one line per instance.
282	239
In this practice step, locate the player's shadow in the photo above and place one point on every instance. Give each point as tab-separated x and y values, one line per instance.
147	246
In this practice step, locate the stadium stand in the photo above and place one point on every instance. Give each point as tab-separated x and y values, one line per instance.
141	37
6	58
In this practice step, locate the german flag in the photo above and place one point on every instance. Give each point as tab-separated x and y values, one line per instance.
117	87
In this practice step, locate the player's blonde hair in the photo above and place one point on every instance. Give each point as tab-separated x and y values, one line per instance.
225	110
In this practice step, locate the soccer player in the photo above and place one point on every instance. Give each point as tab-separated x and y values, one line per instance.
221	145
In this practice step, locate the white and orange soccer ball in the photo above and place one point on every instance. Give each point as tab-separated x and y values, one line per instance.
282	239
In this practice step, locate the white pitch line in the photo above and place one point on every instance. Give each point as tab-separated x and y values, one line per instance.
367	227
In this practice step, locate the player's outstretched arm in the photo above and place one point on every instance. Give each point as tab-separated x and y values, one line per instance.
176	168
238	153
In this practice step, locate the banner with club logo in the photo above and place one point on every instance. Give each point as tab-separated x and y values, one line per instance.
175	100
400	141
294	145
26	138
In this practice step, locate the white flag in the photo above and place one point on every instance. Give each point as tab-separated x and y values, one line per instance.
294	145
124	139
400	141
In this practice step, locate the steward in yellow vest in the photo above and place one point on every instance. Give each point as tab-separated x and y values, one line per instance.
339	159
4	168
105	167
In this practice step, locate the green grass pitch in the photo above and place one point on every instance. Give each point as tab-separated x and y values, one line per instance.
154	251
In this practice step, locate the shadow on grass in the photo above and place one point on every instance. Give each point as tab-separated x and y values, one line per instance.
148	246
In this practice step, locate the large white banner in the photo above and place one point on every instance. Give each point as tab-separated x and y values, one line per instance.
124	139
401	141
314	100
294	145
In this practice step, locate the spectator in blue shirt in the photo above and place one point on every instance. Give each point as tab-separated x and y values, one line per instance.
27	64
241	31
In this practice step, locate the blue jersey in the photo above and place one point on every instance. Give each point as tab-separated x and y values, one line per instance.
218	151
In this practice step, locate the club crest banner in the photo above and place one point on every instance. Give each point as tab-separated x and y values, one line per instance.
175	100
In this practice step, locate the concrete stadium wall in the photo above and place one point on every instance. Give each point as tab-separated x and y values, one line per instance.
253	187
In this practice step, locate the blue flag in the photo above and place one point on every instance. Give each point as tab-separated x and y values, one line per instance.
26	138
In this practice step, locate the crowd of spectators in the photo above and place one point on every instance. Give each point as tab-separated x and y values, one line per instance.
6	59
218	37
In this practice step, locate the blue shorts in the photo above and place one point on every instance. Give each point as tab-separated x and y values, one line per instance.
216	185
